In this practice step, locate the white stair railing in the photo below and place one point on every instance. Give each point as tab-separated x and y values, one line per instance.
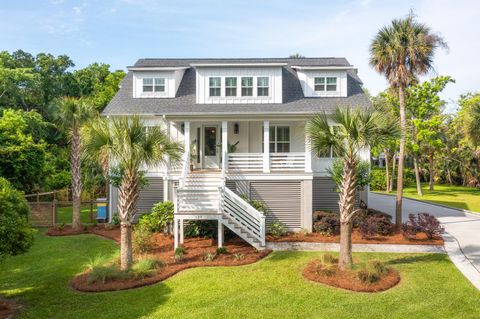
185	169
243	214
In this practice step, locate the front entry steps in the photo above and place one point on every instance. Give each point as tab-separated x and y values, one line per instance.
204	197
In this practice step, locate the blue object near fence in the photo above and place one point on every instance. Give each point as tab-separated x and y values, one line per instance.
102	209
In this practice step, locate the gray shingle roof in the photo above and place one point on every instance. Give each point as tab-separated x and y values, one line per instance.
184	103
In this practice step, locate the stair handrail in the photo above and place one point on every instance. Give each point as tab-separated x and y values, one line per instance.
256	217
185	169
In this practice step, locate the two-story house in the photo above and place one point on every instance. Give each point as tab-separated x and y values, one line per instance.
242	122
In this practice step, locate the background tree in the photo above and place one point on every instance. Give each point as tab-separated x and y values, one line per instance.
401	52
354	130
73	113
126	143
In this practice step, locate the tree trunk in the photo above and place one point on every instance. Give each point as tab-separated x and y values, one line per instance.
401	158
431	172
127	202
387	175
126	255
347	205
75	163
394	161
417	175
449	176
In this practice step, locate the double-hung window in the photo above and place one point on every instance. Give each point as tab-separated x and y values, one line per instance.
215	84
230	86
247	86
262	86
153	85
279	139
322	84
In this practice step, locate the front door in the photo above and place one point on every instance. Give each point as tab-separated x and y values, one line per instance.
211	159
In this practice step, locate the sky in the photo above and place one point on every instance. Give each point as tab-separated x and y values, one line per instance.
119	32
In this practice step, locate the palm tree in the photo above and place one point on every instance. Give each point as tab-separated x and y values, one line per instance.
72	114
130	148
401	52
353	130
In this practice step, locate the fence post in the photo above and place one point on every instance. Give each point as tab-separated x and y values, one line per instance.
54	212
91	210
38	197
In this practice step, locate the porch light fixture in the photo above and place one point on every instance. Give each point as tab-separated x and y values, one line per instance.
182	128
236	128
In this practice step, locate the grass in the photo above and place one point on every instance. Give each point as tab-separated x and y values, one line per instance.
64	214
455	196
431	287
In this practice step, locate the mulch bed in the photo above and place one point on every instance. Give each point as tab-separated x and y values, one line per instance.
195	248
347	279
8	308
394	239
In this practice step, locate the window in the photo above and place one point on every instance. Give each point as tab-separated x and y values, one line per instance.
262	86
322	84
153	85
247	86
215	86
230	86
279	139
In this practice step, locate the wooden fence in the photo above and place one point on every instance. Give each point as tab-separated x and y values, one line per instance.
50	213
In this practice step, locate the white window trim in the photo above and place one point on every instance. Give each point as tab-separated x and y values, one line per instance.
239	87
325	84
247	87
153	93
231	87
222	93
275	126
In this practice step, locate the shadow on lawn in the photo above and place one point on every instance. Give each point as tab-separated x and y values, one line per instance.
417	259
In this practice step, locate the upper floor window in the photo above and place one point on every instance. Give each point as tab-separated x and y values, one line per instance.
215	84
247	86
262	86
153	84
230	86
323	84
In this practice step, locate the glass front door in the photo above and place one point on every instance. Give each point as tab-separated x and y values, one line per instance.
210	151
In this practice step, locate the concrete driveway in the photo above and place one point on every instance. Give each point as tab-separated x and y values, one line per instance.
462	240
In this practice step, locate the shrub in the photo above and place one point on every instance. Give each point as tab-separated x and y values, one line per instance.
376	225
104	274
368	276
329	259
326	270
209	257
61	226
328	225
363	214
319	215
85	227
15	232
221	250
95	261
142	239
110	226
238	256
257	204
201	228
378	183
277	229
115	220
422	222
146	267
179	254
378	267
160	218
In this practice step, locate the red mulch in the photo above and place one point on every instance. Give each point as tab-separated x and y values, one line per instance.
163	250
347	279
8	308
395	239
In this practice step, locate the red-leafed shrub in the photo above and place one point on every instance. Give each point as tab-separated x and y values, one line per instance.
375	225
422	223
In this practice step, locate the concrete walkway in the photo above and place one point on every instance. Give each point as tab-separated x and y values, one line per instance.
462	238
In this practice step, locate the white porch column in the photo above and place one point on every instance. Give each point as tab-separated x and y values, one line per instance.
266	146
186	135
181	232
220	233
175	233
308	154
224	146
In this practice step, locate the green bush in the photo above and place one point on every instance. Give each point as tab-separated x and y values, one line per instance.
329	259
368	276
146	267
378	267
238	256
179	254
209	257
326	270
378	183
277	229
142	239
15	232
160	218
201	228
107	273
221	250
115	220
257	204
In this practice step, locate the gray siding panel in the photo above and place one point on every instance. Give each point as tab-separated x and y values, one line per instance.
150	195
324	194
283	200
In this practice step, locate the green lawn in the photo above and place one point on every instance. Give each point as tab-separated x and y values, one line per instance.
456	196
64	214
431	287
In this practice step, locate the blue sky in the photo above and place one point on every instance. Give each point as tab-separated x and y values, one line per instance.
118	32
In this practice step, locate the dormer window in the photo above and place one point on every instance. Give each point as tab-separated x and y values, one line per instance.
148	85
323	84
215	84
230	86
262	86
247	86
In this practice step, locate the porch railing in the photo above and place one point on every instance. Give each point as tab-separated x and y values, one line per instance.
252	162
185	168
287	161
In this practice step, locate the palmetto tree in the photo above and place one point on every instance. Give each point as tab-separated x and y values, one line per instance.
129	147
72	115
347	132
401	52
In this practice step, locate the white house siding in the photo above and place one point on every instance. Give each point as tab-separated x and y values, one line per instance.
202	84
307	79
170	84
